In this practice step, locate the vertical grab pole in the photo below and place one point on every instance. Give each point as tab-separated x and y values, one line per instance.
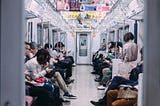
123	32
31	30
135	31
49	33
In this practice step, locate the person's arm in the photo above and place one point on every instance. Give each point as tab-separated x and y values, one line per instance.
36	71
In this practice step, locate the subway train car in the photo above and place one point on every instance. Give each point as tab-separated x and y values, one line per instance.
79	52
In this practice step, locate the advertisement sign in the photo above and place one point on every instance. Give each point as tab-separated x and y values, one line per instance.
89	8
91	14
75	5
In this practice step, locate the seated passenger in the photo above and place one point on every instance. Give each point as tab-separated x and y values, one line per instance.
34	47
63	62
118	80
38	68
28	53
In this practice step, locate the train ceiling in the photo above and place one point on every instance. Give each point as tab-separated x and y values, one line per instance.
98	13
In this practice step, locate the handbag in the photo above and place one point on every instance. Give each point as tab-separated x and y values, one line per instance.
40	80
127	93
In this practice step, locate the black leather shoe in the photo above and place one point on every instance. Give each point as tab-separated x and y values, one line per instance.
97	80
93	72
98	103
65	101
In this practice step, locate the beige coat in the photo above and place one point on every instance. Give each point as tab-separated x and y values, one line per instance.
130	52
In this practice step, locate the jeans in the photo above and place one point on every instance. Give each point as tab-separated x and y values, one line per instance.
117	80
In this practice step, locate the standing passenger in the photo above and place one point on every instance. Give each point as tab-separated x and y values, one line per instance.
130	49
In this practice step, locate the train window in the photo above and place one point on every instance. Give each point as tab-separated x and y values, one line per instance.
39	34
29	32
120	34
53	37
63	38
83	45
127	28
112	36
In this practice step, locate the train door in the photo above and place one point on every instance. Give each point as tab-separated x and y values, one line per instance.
83	48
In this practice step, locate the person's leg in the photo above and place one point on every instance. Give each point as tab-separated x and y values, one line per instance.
117	80
63	86
43	96
69	71
111	96
124	102
106	75
60	81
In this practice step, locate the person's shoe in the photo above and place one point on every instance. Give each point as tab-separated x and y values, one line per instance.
73	65
98	103
68	81
93	72
65	101
97	80
69	96
101	87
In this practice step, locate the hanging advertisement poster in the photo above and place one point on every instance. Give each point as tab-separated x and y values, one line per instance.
75	5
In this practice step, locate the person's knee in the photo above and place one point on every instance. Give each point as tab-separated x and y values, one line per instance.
120	102
124	102
56	74
117	78
112	93
105	70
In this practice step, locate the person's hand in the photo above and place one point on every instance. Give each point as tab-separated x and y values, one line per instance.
48	70
69	51
132	65
27	73
62	58
120	49
46	65
54	61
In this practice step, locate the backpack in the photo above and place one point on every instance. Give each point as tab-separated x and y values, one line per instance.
135	72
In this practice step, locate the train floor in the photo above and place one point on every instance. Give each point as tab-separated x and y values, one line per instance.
84	86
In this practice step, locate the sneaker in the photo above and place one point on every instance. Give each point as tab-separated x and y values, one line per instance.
69	96
73	65
98	103
65	101
68	81
101	87
97	80
93	72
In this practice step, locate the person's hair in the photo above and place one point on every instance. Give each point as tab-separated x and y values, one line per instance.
47	45
26	43
128	36
141	51
112	45
100	56
43	56
59	44
119	44
33	45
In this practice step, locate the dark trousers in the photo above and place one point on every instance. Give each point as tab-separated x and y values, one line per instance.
44	97
116	81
